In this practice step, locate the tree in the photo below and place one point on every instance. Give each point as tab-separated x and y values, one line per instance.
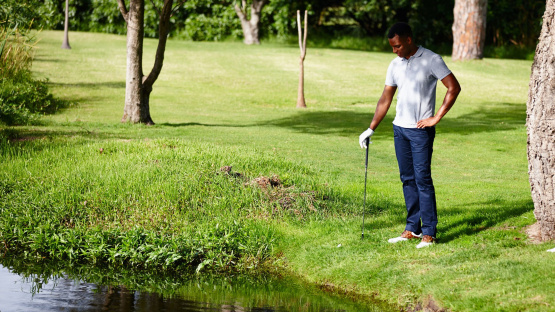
540	122
138	86
65	44
469	29
250	26
376	16
302	45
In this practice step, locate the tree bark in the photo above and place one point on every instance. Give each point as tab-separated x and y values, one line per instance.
250	26
138	86
469	29
65	43
540	121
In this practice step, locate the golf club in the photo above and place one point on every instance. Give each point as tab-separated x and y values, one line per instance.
365	178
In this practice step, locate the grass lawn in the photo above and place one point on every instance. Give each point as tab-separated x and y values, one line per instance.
227	104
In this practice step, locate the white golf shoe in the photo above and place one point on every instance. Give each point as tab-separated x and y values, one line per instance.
404	237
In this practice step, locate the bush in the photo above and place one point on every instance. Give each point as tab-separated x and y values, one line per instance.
23	99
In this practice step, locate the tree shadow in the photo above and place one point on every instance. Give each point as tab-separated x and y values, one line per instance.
493	117
343	122
38	140
457	222
189	124
500	117
107	84
481	219
47	59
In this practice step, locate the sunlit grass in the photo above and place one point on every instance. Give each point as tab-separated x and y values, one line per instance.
226	104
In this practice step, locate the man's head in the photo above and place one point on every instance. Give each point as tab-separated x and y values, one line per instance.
401	41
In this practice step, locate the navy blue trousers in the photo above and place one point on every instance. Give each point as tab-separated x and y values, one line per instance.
413	148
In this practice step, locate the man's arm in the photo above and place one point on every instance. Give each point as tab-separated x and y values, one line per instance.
453	90
383	106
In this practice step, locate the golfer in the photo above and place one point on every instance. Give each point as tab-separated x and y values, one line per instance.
414	73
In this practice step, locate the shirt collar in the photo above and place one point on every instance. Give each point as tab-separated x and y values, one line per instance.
417	54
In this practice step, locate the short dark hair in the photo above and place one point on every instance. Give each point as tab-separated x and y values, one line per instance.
400	29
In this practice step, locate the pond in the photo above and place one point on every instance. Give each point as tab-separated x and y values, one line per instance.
29	288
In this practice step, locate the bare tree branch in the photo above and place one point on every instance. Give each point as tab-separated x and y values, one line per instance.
299	26
258	4
155	8
177	6
305	32
163	31
122	9
242	14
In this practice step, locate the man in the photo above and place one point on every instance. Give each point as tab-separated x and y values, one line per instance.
415	73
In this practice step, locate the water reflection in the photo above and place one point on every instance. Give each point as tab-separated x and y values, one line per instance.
44	288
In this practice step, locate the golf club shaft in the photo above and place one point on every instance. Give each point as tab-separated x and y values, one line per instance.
365	179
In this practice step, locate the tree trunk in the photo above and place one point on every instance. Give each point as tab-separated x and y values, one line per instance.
302	45
469	29
135	109
138	87
250	26
540	122
65	44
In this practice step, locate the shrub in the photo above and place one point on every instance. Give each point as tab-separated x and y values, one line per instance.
22	98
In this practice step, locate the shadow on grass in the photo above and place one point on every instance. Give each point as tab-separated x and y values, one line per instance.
500	117
474	221
456	222
47	59
24	139
107	84
189	124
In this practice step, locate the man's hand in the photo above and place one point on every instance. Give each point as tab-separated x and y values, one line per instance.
428	122
365	135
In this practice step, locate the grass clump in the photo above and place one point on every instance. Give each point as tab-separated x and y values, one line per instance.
155	203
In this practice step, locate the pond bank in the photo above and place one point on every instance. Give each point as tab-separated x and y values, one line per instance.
50	287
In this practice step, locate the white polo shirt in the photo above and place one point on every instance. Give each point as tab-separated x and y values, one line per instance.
416	80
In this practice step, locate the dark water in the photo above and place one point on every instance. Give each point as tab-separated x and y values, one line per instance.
34	288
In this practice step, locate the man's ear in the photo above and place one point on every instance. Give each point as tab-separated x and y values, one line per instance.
409	40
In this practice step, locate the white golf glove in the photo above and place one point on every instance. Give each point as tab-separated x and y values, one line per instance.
365	135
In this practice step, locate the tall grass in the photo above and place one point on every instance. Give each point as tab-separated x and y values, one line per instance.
16	51
155	203
22	98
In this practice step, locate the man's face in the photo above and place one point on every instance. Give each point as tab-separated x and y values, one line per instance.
401	46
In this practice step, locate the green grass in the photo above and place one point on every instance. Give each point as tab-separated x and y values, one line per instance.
227	104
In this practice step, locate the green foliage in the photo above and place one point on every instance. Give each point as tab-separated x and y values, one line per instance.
103	16
176	210
23	99
19	14
514	23
376	16
202	20
345	21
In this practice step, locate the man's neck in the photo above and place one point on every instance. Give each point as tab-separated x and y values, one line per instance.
413	48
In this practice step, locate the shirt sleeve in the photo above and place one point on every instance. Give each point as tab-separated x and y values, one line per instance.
389	78
439	68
